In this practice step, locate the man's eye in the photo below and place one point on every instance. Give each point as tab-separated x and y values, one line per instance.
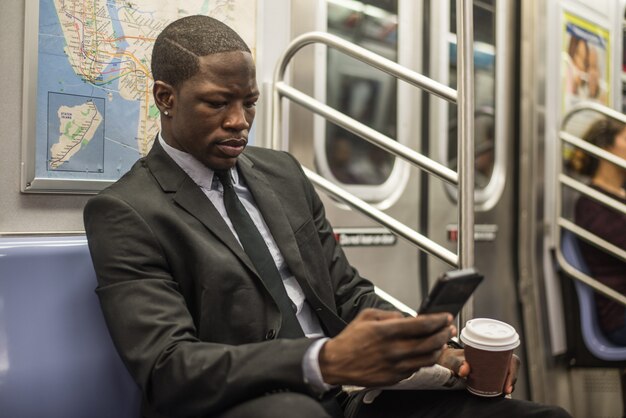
251	105
216	105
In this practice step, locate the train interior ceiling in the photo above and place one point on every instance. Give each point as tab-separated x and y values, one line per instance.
397	134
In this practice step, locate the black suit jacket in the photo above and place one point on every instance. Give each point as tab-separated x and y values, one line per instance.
186	309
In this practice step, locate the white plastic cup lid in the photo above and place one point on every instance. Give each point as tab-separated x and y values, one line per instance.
489	334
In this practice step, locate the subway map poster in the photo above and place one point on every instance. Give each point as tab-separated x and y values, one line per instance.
91	114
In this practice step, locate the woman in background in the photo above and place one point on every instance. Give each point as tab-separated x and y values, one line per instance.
605	222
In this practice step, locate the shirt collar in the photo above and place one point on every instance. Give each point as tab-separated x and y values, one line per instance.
199	173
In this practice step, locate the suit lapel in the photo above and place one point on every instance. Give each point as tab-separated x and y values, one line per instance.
190	197
278	224
273	214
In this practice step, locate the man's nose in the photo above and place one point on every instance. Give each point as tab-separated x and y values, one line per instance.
236	118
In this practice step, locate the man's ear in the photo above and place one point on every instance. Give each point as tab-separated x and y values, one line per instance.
163	95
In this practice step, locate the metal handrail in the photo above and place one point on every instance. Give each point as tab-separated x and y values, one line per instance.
367	133
464	178
596	107
389	222
592	149
592	193
579	275
568	181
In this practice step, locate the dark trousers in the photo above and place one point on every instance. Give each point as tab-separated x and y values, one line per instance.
396	404
443	403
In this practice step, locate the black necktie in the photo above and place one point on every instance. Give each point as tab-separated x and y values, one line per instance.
254	245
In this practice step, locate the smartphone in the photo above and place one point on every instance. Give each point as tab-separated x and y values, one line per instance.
451	291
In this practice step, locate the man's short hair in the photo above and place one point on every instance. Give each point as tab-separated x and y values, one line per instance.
178	48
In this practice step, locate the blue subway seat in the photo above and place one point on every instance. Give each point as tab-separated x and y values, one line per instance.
594	339
56	356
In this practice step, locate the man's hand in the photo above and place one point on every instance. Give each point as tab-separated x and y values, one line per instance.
380	348
454	359
511	377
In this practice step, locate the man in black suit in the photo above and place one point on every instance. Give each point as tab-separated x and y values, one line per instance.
192	305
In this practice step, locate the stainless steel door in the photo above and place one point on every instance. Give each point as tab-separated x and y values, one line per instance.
495	216
378	100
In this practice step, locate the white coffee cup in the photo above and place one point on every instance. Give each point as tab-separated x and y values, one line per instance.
489	345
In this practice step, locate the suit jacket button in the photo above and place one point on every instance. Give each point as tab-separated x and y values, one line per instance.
270	334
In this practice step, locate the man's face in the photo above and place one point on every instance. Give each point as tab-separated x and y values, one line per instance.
210	114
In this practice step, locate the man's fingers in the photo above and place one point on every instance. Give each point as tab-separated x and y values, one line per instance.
421	326
412	364
371	314
464	370
454	359
414	348
511	377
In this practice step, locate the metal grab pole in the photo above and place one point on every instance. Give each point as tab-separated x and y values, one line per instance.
465	144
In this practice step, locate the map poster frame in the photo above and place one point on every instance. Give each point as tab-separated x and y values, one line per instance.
30	183
68	144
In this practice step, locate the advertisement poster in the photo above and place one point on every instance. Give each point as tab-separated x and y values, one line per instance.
585	71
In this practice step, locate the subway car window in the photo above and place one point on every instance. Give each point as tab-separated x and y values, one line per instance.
360	91
484	91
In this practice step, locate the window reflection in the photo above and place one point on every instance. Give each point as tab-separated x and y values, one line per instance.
484	91
360	91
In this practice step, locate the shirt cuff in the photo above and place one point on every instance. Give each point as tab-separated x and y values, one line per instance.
311	367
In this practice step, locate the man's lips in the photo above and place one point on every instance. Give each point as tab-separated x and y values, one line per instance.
232	147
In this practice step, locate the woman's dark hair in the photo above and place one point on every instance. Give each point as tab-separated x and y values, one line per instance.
602	134
178	48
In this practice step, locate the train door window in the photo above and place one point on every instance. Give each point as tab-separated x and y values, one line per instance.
490	79
365	94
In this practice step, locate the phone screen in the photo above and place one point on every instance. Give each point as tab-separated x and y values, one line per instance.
451	291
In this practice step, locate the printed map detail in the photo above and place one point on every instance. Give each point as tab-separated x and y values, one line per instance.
95	111
78	126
